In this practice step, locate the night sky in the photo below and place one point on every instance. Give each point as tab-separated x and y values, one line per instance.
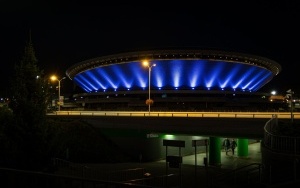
67	33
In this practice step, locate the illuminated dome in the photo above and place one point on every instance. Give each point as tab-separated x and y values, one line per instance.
174	70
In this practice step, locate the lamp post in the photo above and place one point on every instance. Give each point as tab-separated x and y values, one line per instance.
147	64
54	78
290	95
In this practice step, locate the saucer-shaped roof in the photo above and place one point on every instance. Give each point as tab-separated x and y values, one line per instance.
174	70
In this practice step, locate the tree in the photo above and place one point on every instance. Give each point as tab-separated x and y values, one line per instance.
29	93
29	89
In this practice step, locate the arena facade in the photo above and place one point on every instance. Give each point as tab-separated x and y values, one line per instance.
180	80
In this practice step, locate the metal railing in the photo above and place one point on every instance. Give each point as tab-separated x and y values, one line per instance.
21	178
134	176
68	168
283	141
266	115
170	180
278	142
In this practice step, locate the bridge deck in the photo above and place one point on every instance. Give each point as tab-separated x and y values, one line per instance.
242	124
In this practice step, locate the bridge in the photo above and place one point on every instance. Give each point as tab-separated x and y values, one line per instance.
192	126
221	124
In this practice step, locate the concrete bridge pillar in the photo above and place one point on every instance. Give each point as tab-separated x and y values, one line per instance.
242	147
214	151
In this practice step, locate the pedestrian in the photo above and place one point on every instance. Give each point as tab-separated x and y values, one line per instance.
233	146
226	144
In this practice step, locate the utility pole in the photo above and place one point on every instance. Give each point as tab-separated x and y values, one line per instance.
290	96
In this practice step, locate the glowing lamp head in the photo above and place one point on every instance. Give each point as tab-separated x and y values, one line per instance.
273	92
146	63
53	78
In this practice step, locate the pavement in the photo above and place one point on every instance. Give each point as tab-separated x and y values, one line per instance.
189	174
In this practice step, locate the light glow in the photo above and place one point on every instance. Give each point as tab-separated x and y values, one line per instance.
170	74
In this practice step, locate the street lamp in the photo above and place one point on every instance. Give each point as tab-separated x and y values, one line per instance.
147	64
54	78
290	96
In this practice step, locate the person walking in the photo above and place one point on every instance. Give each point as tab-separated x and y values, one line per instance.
233	146
226	144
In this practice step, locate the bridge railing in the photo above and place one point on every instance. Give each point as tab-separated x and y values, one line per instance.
268	115
280	143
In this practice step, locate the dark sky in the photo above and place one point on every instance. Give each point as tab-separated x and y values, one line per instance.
67	33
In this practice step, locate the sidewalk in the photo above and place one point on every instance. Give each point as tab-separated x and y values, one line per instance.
192	175
229	161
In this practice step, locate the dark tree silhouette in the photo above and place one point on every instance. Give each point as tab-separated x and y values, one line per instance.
29	93
29	140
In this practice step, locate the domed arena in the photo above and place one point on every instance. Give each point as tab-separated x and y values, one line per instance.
192	79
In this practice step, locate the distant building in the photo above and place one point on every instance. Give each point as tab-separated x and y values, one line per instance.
182	79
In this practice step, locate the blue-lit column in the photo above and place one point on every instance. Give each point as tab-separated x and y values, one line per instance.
214	151
242	147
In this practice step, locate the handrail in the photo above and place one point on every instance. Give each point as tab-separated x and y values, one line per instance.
280	143
157	181
24	178
265	115
78	170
